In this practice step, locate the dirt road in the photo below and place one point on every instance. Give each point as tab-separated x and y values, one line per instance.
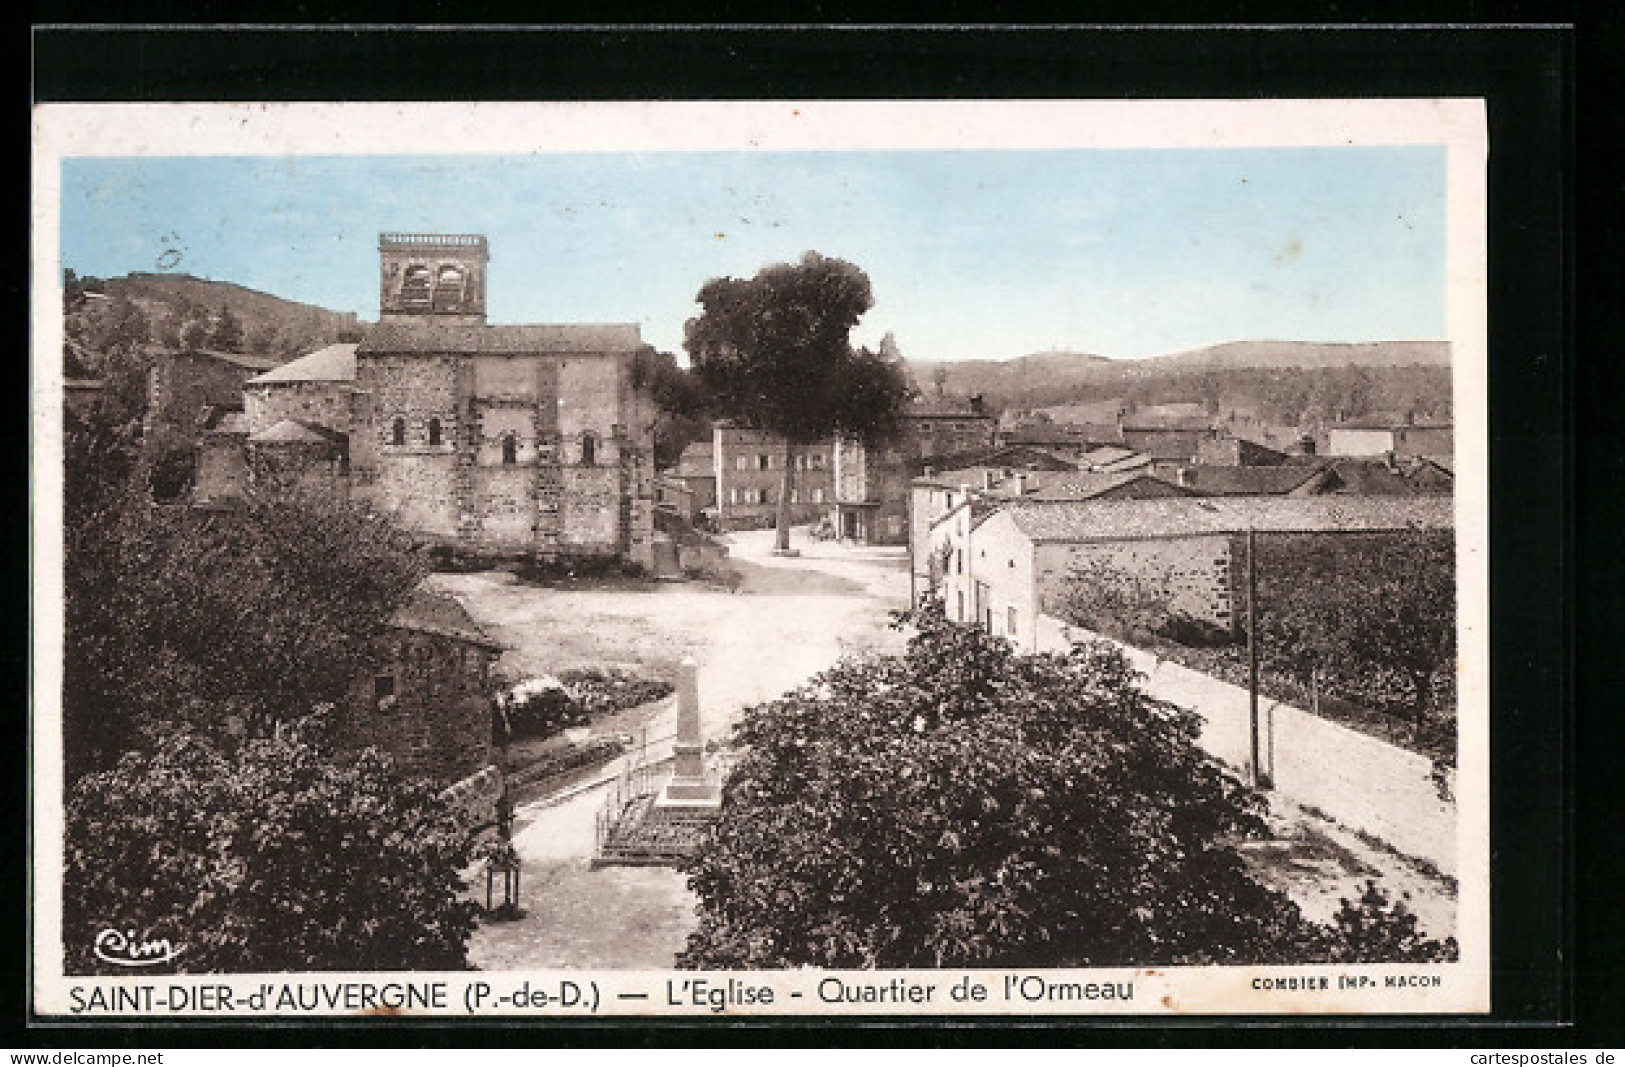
789	619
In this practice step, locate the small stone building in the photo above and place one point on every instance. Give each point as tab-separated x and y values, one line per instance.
427	702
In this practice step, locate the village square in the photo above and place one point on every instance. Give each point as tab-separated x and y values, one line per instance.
622	566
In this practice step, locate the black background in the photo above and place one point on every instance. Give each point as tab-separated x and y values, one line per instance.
1553	984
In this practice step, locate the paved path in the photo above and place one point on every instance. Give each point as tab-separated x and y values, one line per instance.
790	619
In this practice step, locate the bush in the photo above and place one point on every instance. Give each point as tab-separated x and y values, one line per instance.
537	709
962	805
273	858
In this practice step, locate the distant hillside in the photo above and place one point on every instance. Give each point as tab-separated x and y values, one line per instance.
270	323
1280	378
1307	355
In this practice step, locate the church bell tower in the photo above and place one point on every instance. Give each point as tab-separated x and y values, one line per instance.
432	278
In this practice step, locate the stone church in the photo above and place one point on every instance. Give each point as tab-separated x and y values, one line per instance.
522	439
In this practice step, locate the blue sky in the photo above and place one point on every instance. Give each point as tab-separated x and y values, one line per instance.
987	254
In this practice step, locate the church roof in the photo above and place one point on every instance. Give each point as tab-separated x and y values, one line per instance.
401	337
293	431
335	363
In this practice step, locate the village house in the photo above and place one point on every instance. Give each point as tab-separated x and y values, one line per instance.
936	495
1401	435
534	440
748	473
691	486
184	387
427	701
872	484
1008	567
1165	437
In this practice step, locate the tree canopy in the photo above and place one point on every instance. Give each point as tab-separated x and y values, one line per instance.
964	805
272	858
774	353
182	618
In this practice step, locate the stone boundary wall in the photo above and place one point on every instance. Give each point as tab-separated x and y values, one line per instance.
474	799
1363	783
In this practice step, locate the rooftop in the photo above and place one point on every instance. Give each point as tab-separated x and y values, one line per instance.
1112	520
335	363
1213	480
294	431
1086	485
1390	421
1143	421
584	339
427	611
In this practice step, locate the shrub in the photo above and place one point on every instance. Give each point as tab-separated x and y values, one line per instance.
271	859
962	805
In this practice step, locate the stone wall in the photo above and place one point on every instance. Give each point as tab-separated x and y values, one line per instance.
437	723
1192	576
1363	783
323	403
222	468
536	453
473	800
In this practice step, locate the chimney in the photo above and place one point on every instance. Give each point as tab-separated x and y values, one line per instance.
990	478
1183	476
1306	445
928	471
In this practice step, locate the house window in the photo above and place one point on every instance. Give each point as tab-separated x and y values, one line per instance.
589	449
742	463
1011	622
818	496
733	496
959	567
434	431
764	462
383	688
761	496
959	615
510	449
397	432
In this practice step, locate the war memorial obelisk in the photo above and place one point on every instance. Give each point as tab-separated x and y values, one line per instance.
691	792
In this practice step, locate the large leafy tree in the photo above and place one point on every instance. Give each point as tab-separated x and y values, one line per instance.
774	353
962	805
271	858
178	619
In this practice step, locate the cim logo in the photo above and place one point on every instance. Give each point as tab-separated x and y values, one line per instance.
123	950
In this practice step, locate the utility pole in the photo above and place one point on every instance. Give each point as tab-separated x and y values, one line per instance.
1258	778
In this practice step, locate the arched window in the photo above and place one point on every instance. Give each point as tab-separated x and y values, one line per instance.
510	449
589	449
434	431
397	432
415	285
451	276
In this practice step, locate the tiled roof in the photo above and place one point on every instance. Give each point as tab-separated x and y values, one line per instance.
943	409
1108	520
236	359
1086	485
294	431
1367	476
1210	480
427	611
1173	423
393	337
1391	422
1099	457
335	363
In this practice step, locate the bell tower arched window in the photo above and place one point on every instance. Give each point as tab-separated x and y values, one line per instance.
415	286
510	449
589	449
397	432
434	431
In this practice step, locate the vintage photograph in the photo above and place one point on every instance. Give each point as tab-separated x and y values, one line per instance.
804	557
